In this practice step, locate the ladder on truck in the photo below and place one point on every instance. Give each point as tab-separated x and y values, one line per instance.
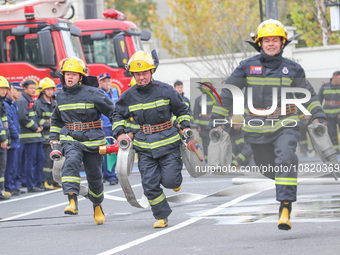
31	9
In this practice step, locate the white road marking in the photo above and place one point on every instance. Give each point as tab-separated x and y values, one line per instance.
178	226
40	194
52	206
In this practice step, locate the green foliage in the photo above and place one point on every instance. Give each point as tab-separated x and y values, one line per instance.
207	27
142	13
303	15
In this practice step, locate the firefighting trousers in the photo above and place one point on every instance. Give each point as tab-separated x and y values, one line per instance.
33	163
75	153
278	161
165	170
332	125
11	169
3	159
21	177
48	164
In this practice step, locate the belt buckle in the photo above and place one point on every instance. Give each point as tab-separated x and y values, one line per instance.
147	129
273	115
80	126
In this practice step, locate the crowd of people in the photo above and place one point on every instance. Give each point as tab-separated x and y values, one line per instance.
26	108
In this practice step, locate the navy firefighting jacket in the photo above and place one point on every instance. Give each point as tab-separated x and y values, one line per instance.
80	104
242	153
44	113
199	120
4	132
151	105
263	73
331	95
28	120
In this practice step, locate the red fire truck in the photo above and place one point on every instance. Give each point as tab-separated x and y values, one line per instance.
34	39
109	43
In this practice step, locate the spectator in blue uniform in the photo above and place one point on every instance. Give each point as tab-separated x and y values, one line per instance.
109	171
14	93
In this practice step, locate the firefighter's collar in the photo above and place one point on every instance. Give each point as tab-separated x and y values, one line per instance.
72	89
271	61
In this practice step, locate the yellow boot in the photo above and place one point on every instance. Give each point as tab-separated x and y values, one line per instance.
72	208
99	216
161	223
48	186
284	214
6	193
177	189
55	186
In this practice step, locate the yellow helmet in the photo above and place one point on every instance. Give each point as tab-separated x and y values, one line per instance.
46	83
132	82
271	27
3	82
73	64
140	61
237	119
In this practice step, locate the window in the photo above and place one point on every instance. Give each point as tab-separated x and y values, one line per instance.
100	51
23	48
71	43
136	39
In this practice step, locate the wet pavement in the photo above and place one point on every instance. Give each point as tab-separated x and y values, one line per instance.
243	222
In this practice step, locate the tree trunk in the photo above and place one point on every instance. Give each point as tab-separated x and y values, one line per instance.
325	28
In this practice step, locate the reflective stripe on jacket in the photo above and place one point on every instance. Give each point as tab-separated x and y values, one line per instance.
153	104
80	103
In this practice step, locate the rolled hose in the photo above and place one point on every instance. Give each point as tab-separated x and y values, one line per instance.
215	135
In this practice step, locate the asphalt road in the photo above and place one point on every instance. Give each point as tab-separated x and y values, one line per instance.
241	222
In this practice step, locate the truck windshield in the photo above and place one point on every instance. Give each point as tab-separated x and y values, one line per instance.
136	39
71	43
100	51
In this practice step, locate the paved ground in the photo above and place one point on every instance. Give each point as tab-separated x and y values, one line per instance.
242	223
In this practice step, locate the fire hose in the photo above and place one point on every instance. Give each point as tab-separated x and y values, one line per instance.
125	159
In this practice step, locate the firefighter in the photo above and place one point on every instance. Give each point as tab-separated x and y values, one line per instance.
330	94
150	104
44	106
4	137
31	138
272	142
76	124
202	121
242	154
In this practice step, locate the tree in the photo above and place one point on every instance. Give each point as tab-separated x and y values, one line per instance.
310	17
141	12
208	29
